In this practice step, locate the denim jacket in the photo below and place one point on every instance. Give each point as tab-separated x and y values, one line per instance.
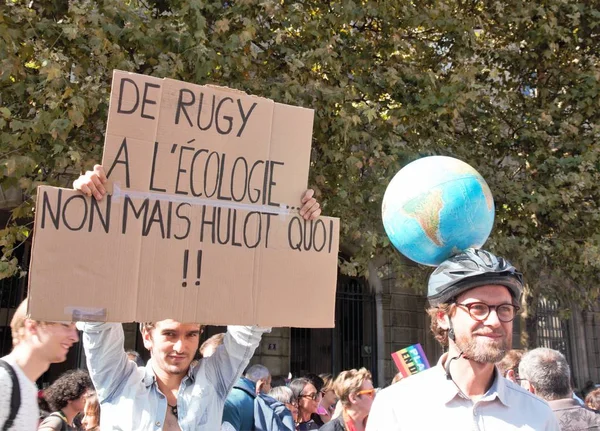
129	395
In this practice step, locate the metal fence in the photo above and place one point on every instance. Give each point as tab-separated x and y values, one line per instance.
351	344
553	332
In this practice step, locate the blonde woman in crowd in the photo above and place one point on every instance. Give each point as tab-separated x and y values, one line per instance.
328	402
355	390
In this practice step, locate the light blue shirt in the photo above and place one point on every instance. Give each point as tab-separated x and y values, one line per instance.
429	401
129	395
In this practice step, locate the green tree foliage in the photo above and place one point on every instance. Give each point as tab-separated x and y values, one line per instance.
509	86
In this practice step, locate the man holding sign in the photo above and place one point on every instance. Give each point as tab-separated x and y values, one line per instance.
196	219
173	391
474	299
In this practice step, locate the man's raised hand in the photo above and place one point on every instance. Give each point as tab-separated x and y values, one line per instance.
92	183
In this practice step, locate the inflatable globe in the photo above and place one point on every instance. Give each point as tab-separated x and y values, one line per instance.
436	207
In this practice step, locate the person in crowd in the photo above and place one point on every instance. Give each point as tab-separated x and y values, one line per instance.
238	413
43	405
338	410
135	357
509	365
278	381
592	400
66	398
328	401
546	373
397	378
355	390
91	413
285	395
36	345
210	346
308	397
316	380
474	298
173	391
588	387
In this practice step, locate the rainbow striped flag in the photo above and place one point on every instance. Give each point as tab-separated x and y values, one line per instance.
410	360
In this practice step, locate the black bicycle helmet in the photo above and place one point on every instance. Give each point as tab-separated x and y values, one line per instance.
469	269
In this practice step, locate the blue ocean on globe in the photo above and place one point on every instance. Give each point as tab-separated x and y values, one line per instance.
436	207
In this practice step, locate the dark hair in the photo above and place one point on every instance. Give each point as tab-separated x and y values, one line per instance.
298	385
316	381
68	387
278	381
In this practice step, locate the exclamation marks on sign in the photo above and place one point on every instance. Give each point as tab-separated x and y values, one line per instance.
199	267
186	257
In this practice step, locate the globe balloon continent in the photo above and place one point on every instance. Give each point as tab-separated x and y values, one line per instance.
436	207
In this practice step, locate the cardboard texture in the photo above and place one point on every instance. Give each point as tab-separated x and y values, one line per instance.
202	224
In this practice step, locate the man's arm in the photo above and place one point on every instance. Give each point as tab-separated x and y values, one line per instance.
226	365
107	361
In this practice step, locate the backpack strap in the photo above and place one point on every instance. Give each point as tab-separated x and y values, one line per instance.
63	421
15	398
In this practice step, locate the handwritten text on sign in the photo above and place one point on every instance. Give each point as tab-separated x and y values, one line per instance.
206	183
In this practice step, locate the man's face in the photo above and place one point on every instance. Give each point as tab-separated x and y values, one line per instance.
55	339
364	397
485	341
173	345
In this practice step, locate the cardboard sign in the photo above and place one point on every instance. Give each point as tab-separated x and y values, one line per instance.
410	360
202	224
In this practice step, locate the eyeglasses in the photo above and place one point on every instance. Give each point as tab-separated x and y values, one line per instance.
294	404
312	396
480	311
369	392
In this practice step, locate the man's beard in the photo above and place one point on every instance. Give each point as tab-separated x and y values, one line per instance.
176	369
483	352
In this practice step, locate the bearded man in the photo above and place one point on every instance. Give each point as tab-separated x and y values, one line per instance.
474	298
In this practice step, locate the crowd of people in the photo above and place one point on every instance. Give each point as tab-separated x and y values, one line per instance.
474	298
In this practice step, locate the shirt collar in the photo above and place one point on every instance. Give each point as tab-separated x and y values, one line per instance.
564	403
150	377
449	390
